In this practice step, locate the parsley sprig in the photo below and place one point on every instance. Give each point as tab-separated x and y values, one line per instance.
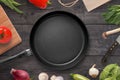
112	16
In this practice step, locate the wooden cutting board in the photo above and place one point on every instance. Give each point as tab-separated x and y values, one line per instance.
92	4
4	20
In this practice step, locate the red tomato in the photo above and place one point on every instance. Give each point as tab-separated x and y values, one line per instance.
5	35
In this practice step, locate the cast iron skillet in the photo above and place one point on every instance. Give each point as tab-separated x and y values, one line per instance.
59	40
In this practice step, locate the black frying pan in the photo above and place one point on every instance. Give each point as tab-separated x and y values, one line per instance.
58	40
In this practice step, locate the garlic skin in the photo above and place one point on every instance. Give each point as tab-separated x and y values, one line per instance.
43	76
53	77
93	72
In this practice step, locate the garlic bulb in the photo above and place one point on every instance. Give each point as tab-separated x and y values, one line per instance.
93	72
53	77
43	76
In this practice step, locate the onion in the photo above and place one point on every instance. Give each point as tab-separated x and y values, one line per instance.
19	74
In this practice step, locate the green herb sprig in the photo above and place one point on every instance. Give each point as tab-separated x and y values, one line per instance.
12	5
112	16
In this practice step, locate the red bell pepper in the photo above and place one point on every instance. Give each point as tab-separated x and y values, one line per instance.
42	4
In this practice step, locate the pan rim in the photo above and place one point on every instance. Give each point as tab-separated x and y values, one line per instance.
73	61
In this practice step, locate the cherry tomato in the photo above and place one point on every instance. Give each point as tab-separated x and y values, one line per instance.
5	35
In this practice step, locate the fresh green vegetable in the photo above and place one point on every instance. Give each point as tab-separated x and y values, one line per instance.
79	77
12	5
112	16
110	72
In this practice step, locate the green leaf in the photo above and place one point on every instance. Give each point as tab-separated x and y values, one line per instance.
106	73
112	16
12	5
110	78
7	3
15	3
108	15
116	19
14	8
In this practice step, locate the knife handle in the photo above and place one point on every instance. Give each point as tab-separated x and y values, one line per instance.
109	52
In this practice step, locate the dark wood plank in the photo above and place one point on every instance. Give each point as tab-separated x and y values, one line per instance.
31	13
98	45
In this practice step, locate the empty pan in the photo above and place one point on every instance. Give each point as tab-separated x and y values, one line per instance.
58	39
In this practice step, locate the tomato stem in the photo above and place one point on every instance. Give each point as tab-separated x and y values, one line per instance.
49	3
2	35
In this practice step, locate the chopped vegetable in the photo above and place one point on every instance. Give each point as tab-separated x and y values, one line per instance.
5	35
79	77
110	72
112	16
12	5
93	72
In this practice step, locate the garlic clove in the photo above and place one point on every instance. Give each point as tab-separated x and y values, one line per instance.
59	78
43	76
93	72
53	77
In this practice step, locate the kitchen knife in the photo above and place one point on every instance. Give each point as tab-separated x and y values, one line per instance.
111	49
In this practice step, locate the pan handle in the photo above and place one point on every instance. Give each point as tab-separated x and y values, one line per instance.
25	52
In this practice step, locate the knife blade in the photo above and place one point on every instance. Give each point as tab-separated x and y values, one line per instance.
111	49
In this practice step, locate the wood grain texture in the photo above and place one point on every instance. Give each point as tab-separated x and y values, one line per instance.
4	20
97	45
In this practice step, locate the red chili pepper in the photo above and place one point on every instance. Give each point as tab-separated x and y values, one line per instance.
39	3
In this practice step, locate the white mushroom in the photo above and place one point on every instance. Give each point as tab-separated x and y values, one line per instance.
43	76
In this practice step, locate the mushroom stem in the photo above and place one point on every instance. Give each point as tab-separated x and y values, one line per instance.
107	33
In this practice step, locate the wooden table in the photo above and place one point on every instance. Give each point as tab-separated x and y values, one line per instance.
96	49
